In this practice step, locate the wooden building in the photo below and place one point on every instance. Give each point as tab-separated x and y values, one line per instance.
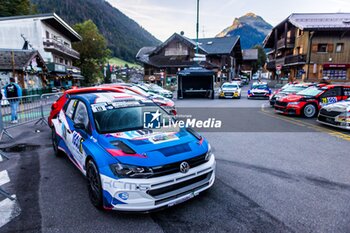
311	46
26	66
222	55
250	58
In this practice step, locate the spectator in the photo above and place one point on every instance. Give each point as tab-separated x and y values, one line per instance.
13	90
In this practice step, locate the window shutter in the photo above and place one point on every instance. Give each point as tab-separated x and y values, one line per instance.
330	48
314	48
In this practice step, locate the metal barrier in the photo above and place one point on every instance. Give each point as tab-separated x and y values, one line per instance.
29	109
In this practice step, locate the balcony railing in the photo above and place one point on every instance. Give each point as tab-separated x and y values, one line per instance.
295	59
286	44
52	44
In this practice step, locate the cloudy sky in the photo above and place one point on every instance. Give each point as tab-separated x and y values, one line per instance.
164	17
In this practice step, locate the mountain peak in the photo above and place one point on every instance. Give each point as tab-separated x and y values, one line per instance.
250	27
251	14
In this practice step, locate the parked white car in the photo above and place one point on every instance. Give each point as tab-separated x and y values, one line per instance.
230	90
336	115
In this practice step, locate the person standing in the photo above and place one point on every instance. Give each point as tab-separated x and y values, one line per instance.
13	90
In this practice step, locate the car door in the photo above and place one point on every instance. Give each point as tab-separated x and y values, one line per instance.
331	96
80	133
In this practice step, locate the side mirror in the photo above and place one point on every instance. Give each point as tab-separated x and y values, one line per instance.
79	126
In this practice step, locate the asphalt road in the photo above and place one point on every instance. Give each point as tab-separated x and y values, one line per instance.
274	174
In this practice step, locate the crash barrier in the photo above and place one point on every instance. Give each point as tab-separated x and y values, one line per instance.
29	109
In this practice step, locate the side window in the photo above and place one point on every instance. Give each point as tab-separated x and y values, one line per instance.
70	108
81	115
346	91
336	91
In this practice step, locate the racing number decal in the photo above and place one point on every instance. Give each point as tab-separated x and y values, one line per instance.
77	142
329	100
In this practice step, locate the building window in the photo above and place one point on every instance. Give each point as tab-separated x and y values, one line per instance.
300	32
47	35
61	60
322	48
339	48
66	62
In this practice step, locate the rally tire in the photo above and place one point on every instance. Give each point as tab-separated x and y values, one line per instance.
94	184
309	111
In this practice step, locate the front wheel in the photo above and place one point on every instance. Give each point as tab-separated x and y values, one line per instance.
309	111
94	184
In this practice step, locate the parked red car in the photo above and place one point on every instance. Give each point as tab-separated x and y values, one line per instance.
308	102
58	104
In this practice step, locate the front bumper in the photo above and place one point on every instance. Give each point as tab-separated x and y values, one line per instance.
229	95
288	110
150	194
330	121
262	96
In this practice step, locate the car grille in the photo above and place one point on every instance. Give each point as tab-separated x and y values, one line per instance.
180	189
329	113
175	167
259	94
282	104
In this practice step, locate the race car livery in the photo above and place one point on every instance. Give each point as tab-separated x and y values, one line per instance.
131	162
287	90
259	90
308	102
230	90
336	115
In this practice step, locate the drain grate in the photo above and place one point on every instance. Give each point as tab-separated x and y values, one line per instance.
20	148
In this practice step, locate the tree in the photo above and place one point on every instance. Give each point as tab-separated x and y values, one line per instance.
261	58
16	7
93	51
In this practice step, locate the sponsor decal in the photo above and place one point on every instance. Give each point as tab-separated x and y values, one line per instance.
124	196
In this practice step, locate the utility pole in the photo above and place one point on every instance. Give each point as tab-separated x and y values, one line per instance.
197	28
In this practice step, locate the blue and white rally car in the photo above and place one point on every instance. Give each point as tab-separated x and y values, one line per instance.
131	162
259	90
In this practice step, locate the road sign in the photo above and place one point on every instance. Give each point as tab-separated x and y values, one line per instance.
278	72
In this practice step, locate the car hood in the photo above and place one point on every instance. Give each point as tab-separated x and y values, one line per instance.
291	98
229	89
158	99
258	90
342	106
153	148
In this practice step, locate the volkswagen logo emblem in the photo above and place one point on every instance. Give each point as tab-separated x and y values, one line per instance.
184	167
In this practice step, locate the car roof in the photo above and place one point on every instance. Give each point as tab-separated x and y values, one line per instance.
261	83
102	97
90	90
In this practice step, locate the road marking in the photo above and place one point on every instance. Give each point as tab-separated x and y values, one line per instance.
305	124
8	210
4	178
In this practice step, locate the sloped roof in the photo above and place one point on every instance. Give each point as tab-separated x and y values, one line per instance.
250	54
53	20
143	54
218	45
308	21
22	58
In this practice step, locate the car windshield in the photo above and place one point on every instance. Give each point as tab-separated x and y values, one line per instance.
124	116
259	86
295	89
143	87
140	90
311	91
156	87
229	86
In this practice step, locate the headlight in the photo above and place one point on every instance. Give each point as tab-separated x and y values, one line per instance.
209	153
129	171
293	103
